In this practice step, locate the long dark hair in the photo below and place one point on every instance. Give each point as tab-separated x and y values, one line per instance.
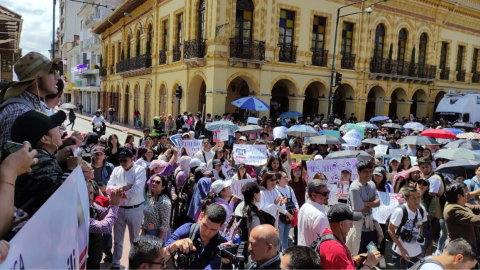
383	185
165	183
127	140
250	208
110	145
145	153
210	199
221	159
271	160
401	168
267	176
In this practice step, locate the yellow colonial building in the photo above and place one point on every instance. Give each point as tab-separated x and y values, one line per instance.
399	58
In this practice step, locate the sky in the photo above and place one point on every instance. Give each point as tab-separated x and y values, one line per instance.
37	23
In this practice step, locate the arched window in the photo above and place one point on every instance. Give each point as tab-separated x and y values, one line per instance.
423	49
137	38
379	41
149	39
128	46
201	19
402	42
244	19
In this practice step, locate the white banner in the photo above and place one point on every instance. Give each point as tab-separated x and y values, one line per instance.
55	236
220	135
228	171
191	146
176	139
252	120
399	152
388	202
255	155
237	185
332	169
279	133
380	150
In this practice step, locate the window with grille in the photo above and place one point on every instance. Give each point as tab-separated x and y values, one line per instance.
318	32
423	49
287	24
379	41
201	19
347	37
402	43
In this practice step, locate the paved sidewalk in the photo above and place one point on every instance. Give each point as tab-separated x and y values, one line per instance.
116	125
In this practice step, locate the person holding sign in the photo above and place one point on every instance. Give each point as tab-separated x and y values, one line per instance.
271	198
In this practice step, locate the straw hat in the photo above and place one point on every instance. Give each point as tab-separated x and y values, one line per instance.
30	67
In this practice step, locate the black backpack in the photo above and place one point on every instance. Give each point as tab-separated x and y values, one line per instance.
402	223
315	245
423	261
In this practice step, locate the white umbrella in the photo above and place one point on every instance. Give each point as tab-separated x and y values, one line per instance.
302	131
414	125
250	129
67	106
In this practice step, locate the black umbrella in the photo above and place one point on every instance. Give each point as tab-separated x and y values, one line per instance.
325	139
360	155
418	140
463	125
467	144
459	167
375	141
392	125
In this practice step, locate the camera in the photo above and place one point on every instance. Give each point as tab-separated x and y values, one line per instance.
237	254
407	237
186	260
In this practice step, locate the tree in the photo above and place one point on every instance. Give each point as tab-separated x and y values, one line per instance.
390	60
411	70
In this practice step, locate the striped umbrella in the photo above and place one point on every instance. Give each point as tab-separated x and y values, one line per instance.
251	103
222	125
469	136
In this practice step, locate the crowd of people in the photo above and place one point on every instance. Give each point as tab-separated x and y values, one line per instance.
180	210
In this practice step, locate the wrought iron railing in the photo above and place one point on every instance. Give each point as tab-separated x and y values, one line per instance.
461	75
348	61
177	53
476	77
138	62
162	57
288	53
319	57
194	48
245	48
402	68
445	74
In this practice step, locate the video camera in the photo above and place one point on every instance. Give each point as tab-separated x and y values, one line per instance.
237	254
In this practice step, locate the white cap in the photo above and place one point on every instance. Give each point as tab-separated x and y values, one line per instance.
318	157
325	126
195	162
243	138
219	185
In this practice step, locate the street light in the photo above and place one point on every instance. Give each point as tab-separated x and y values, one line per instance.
332	77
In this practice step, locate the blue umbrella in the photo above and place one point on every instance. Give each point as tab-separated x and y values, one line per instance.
302	131
290	114
251	103
222	125
454	130
379	118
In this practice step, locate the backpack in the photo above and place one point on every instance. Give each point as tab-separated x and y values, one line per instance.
315	245
423	261
182	204
404	220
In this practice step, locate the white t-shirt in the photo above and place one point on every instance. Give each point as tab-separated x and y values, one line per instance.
413	248
430	266
434	184
96	119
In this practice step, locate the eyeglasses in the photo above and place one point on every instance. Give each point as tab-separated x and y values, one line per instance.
156	182
123	160
423	183
324	194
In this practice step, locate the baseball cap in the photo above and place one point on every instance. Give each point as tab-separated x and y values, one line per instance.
392	159
186	134
295	165
318	157
347	170
125	153
157	163
99	149
219	185
325	126
283	152
195	162
341	212
216	162
243	138
104	139
379	171
146	129
32	126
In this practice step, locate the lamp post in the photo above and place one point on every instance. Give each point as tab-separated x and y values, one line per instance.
332	76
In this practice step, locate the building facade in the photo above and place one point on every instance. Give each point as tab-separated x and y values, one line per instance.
10	31
397	60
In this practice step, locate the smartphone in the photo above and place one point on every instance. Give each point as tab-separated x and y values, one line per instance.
371	247
10	147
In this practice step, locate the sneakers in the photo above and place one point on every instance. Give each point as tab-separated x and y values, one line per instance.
382	263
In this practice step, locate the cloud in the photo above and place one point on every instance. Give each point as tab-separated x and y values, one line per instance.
37	23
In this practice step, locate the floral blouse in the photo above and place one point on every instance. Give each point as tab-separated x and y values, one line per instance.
157	212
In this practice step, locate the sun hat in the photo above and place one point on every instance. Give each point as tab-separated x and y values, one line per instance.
30	67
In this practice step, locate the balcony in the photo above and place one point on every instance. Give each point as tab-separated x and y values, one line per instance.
92	44
194	52
476	77
399	70
319	57
445	74
177	53
461	75
93	20
162	57
135	66
84	9
247	51
348	61
288	53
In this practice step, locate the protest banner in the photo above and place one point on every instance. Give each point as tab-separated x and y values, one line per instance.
386	159
297	158
353	138
55	236
220	135
250	154
176	139
252	120
388	202
398	152
342	189
334	133
237	185
332	197
332	169
191	146
337	122
360	128
279	132
380	150
228	170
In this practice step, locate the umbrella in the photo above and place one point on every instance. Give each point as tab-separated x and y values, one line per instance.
439	134
414	125
67	106
325	139
400	176
375	141
463	125
302	131
279	132
353	138
444	141
392	125
458	167
466	144
418	140
290	114
368	125
379	118
360	155
222	125
250	129
251	103
454	130
469	136
456	153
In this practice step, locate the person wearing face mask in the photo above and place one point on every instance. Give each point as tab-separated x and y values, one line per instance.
46	177
37	77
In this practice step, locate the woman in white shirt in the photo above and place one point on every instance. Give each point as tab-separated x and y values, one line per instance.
241	173
271	197
286	191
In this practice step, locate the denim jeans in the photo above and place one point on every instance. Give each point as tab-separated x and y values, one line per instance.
107	243
110	119
400	263
443	237
284	231
427	235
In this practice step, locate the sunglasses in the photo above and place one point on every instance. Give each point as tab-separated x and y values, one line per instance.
156	182
122	160
423	183
323	193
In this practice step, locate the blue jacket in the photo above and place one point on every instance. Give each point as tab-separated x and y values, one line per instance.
105	174
199	194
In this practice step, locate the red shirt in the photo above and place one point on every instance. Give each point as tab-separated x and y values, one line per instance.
335	255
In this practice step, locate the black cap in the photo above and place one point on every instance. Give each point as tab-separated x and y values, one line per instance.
124	152
216	162
341	212
32	126
146	129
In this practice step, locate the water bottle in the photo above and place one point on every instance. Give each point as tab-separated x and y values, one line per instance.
236	239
